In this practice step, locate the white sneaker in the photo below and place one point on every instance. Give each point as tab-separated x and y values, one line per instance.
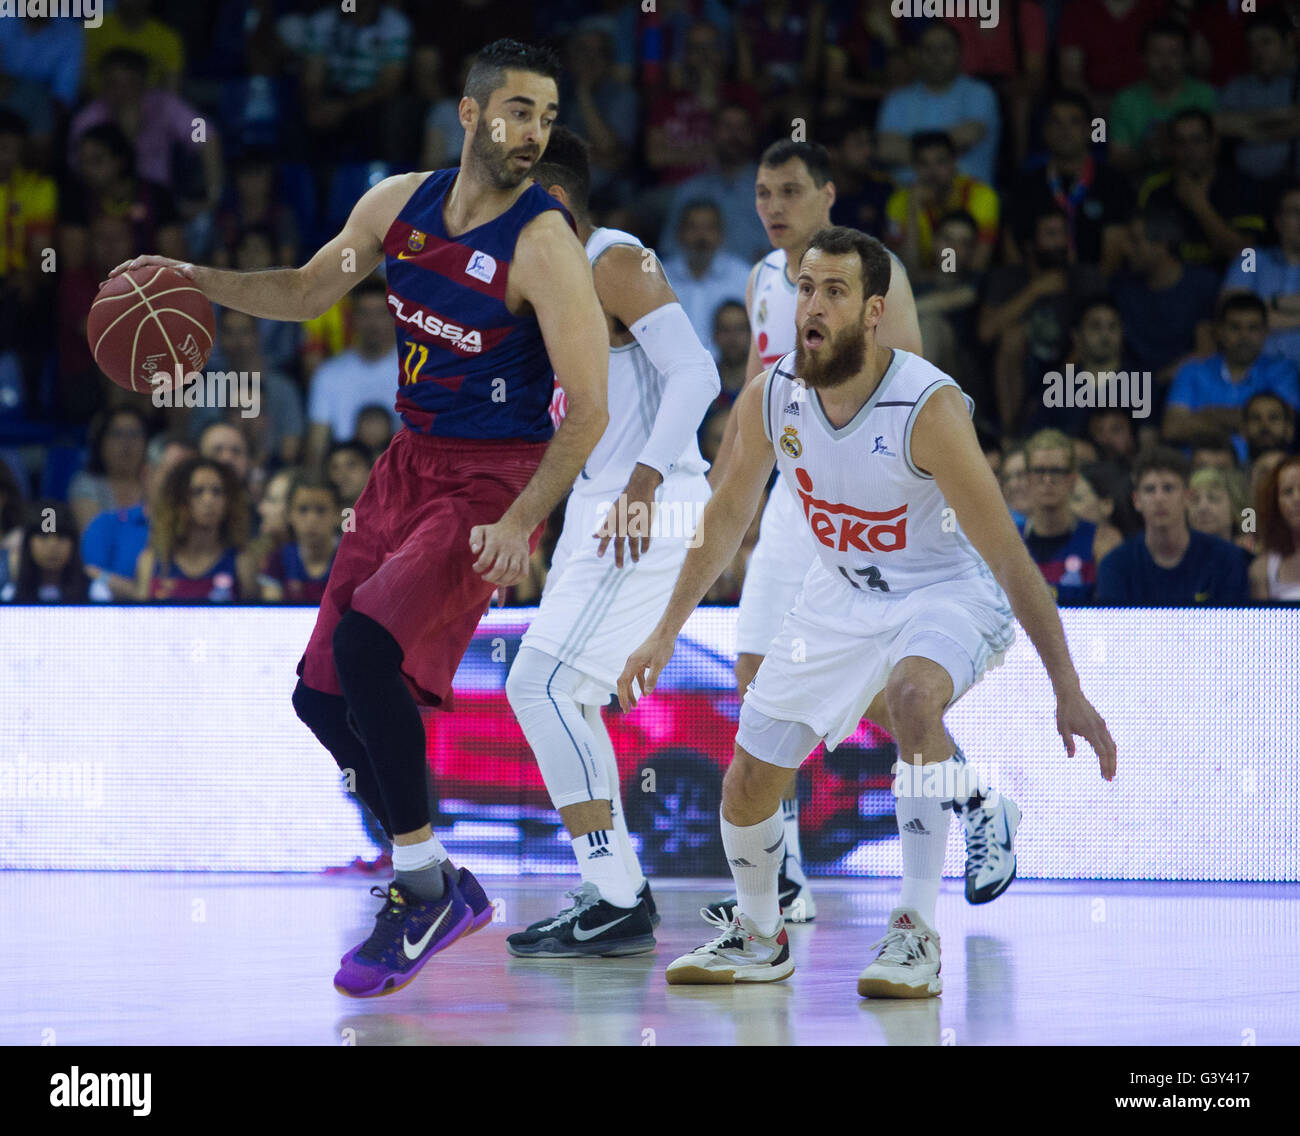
908	963
990	855
740	953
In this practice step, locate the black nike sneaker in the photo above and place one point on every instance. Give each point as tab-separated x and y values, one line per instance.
647	897
792	893
592	927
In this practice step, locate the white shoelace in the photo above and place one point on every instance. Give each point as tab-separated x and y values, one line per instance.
899	946
584	897
728	928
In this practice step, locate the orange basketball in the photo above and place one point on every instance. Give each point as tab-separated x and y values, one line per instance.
145	322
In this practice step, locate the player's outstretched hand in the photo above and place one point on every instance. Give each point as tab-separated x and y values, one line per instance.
502	551
631	517
642	669
184	267
1075	715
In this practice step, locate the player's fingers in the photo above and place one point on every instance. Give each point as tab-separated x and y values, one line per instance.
604	542
476	538
618	552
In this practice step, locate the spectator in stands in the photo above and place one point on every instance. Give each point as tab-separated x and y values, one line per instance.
861	191
255	252
161	126
936	189
375	428
198	537
104	183
363	374
347	465
1267	423
28	203
443	133
865	56
44	49
1110	429
730	342
1097	200
941	99
276	430
1161	300
1167	565
1066	548
601	107
132	27
1218	505
1274	276
1102	44
254	206
1261	110
49	566
1275	572
1013	477
298	570
1212	449
11	518
1210	393
1103	494
681	121
1220	214
711	431
947	302
729	185
1140	110
114	477
355	61
1028	311
1097	349
779	52
227	443
703	274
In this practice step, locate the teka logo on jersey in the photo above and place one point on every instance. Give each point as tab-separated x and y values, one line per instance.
844	528
471	341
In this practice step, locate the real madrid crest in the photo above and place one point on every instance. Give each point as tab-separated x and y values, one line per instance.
790	444
415	242
762	310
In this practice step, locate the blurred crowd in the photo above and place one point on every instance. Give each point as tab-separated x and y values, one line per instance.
1088	188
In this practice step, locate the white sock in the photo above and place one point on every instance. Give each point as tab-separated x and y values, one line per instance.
755	853
922	831
623	847
793	866
413	857
600	866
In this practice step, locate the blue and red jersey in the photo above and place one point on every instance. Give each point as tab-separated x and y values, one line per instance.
219	584
286	567
1066	561
469	367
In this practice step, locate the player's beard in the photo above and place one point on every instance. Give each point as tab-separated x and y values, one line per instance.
839	359
493	159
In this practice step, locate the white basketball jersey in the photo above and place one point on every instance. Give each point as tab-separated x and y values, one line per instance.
635	391
771	309
877	520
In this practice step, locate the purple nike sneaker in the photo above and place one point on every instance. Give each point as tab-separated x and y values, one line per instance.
407	934
476	898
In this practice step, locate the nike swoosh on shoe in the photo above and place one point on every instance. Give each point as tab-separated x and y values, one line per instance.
414	950
582	936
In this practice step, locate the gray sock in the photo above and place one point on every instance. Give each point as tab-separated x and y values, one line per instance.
426	884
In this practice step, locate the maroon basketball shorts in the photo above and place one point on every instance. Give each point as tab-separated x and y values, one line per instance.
406	561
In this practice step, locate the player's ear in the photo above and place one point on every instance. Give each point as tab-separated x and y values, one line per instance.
829	187
557	191
467	112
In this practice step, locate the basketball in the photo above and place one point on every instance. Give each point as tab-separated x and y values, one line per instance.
147	321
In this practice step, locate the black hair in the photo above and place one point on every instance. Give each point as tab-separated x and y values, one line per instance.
1163	226
814	155
1164	27
372	285
1098	301
353	445
928	139
840	240
99	428
11	122
1287	410
124	57
1193	114
1241	302
1109	481
73	585
1063	97
315	484
565	162
488	72
960	215
1161	459
722	307
700	203
113	138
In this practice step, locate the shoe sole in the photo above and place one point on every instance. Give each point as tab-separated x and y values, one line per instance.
883	988
642	944
458	932
703	976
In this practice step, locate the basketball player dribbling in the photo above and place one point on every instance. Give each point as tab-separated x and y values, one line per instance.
492	296
900	601
605	593
793	195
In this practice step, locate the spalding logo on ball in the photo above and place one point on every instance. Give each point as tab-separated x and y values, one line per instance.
146	323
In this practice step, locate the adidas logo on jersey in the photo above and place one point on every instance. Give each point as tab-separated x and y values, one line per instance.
470	341
793	408
842	527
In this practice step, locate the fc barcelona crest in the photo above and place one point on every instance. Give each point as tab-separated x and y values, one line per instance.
789	442
415	242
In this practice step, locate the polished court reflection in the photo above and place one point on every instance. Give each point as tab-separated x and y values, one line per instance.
104	958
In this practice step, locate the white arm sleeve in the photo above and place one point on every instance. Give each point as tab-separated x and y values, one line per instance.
675	351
